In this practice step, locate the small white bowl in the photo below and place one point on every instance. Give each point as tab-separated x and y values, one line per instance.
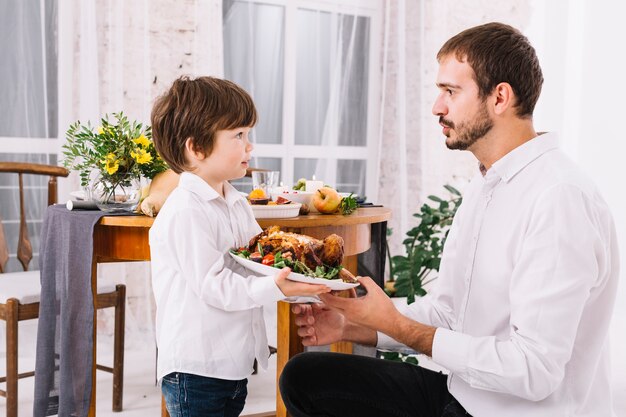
274	211
302	197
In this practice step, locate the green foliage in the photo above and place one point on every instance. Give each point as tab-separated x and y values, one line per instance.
423	246
348	205
399	357
119	150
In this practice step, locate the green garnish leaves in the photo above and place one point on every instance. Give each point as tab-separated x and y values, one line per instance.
348	205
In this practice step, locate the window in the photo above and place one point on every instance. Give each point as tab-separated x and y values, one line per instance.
28	121
310	67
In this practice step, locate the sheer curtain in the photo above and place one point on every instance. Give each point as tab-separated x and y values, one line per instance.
254	57
28	94
28	49
308	70
332	91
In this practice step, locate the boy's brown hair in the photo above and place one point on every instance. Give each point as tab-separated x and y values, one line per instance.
499	53
197	109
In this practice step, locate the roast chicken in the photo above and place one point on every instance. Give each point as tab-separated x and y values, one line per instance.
308	250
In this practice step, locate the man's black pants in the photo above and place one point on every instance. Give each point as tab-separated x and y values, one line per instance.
319	384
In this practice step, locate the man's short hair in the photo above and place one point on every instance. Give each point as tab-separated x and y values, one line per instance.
197	109
499	53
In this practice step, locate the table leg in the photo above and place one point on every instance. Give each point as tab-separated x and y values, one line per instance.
94	292
289	345
164	412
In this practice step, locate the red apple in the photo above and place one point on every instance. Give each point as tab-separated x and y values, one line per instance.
326	200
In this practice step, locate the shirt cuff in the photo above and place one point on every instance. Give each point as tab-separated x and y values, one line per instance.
264	290
451	349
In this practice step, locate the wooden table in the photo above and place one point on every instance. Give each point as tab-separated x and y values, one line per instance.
122	239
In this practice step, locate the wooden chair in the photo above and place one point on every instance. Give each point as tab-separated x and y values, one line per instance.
20	293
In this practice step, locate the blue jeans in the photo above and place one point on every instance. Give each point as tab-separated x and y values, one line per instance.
188	395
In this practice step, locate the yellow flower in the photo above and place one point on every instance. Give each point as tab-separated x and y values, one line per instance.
142	141
100	130
111	163
141	156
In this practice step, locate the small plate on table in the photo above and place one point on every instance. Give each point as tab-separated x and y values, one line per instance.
333	284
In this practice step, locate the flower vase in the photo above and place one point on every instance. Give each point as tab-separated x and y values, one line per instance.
115	194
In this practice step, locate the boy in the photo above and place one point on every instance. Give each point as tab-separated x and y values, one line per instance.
209	321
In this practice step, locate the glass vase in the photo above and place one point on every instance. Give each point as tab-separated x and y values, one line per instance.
115	194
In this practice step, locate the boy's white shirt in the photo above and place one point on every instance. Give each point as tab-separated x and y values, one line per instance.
209	316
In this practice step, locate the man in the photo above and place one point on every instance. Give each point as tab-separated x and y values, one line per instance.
520	312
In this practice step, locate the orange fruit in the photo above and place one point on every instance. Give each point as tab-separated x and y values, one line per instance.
257	193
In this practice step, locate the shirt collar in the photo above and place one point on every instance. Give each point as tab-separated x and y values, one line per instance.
515	161
201	188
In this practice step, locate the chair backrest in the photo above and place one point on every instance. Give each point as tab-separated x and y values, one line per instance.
24	247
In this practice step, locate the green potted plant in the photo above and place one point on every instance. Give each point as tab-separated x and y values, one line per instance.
423	245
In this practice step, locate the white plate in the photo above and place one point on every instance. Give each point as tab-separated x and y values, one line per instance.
276	211
334	284
302	300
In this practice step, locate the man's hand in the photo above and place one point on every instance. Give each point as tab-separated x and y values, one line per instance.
376	312
318	325
293	288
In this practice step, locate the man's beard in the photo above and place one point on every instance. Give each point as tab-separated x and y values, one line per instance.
470	131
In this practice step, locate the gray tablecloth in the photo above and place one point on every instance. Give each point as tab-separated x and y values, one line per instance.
64	336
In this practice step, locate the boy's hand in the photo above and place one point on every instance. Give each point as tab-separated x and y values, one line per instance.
293	288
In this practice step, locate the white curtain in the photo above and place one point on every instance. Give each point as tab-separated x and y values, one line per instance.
253	41
23	79
28	103
319	60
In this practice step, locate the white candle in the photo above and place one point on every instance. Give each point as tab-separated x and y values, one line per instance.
312	186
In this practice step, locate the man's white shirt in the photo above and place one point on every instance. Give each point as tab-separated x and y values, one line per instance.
209	318
526	290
